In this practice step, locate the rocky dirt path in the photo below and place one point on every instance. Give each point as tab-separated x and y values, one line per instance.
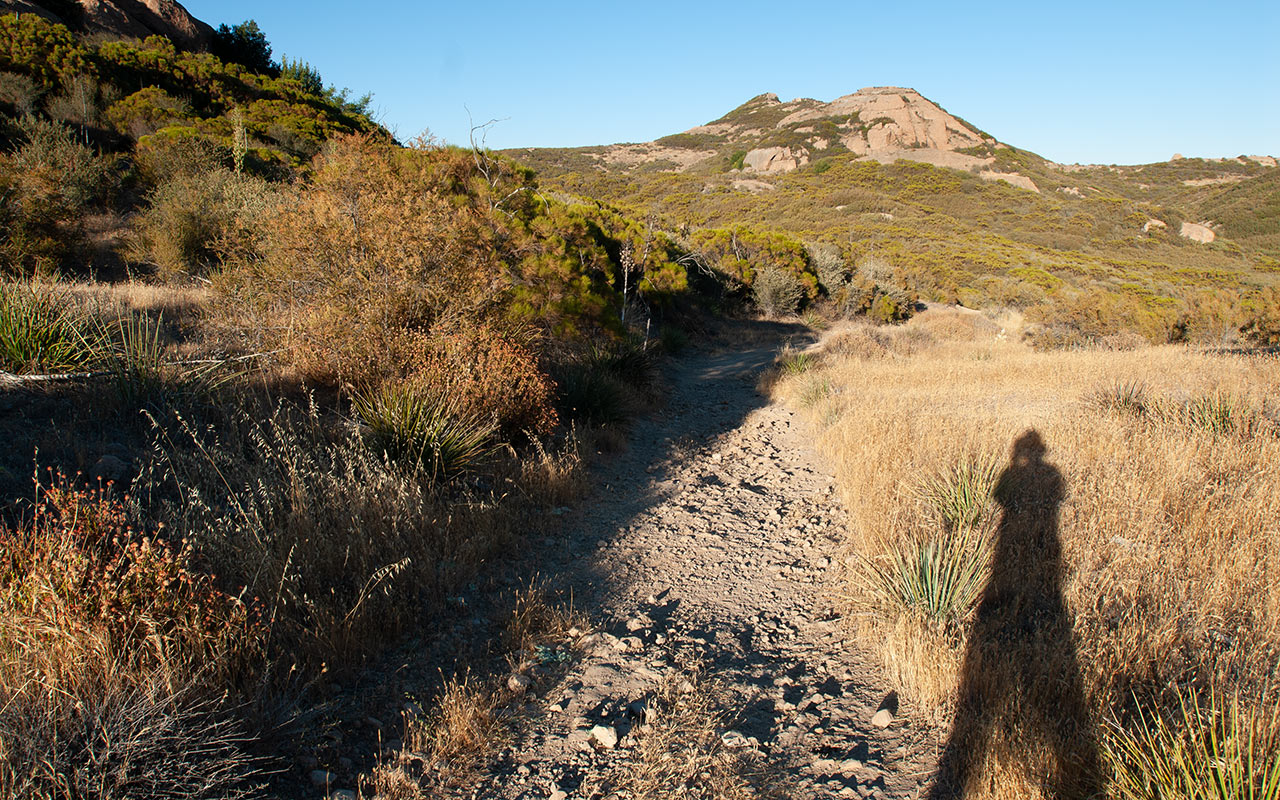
711	541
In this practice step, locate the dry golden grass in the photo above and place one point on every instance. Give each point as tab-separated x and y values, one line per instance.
1167	527
172	300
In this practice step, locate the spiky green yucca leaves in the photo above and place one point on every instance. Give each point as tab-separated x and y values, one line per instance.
940	573
795	362
939	577
1221	413
960	495
422	432
41	332
1124	397
1210	747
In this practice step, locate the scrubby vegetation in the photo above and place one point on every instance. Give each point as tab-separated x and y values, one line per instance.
289	388
1096	253
1070	554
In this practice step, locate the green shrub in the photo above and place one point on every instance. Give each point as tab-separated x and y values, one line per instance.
1211	747
40	331
422	432
593	396
672	340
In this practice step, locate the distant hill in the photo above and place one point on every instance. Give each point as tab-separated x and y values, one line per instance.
886	181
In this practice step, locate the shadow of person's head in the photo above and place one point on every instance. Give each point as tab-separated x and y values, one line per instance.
1029	483
1028	447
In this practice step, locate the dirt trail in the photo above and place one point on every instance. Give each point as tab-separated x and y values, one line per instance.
712	540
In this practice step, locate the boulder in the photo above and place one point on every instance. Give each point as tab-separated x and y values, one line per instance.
1197	232
774	159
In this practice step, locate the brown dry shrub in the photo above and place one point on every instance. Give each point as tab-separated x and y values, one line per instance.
344	548
382	243
487	373
113	649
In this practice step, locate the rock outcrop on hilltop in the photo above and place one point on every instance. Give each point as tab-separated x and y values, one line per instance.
133	19
767	137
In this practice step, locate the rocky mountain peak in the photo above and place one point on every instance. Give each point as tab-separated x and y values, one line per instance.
133	19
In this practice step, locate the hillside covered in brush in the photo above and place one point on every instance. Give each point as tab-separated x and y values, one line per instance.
94	128
885	183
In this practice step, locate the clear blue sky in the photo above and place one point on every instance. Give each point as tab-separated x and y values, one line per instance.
1093	82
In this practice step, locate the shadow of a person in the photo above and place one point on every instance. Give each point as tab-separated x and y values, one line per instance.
1020	681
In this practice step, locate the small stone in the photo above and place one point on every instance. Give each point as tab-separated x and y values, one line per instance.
557	794
686	687
321	778
342	794
109	469
638	710
631	643
519	683
605	735
734	740
882	718
574	633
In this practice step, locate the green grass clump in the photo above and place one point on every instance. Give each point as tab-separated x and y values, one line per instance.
798	362
939	577
422	432
40	331
960	496
1210	747
1219	414
593	395
1124	397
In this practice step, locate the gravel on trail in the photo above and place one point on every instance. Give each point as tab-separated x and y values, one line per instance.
715	540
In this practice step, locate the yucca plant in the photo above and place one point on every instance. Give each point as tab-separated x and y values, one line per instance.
136	362
797	362
40	331
629	360
1124	397
1219	413
592	395
1210	747
939	577
422	432
143	377
959	496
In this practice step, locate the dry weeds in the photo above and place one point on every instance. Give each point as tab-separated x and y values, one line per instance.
1167	528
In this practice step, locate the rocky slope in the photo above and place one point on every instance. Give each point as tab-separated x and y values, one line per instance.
767	137
132	19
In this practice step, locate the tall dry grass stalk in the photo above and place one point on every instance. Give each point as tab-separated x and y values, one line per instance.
1169	461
